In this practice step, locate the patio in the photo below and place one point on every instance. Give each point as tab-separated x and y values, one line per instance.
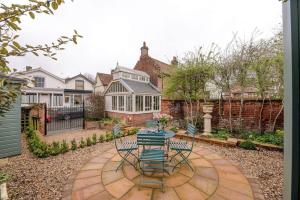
213	178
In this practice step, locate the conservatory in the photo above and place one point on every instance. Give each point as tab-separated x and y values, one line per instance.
131	96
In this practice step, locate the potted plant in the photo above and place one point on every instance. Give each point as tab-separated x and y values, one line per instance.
3	191
163	120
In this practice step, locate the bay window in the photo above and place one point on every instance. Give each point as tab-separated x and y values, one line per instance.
129	103
114	103
156	103
139	103
121	103
148	103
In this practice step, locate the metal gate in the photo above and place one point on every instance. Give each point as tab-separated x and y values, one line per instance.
64	118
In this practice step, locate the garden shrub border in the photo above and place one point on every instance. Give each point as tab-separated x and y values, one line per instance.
42	150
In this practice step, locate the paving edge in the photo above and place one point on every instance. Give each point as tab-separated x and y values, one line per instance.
3	192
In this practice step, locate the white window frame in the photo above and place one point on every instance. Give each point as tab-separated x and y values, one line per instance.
37	82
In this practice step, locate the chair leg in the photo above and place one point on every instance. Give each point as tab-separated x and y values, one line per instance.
184	160
124	158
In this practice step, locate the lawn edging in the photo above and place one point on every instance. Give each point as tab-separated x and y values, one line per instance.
230	142
3	192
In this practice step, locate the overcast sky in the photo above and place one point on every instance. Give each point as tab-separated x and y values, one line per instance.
114	30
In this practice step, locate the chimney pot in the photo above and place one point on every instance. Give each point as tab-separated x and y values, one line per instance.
144	49
28	68
174	61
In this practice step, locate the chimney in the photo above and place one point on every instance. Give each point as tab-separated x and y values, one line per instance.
28	68
174	61
144	50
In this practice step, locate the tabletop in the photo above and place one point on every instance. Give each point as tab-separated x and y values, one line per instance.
168	133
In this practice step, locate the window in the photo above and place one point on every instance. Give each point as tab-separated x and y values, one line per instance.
125	75
121	103
129	103
78	99
29	98
139	103
57	100
116	87
79	85
156	103
114	103
39	82
148	103
142	78
134	76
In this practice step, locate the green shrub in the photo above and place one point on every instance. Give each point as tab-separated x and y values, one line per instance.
271	138
82	143
108	137
251	135
94	139
36	146
174	129
222	134
64	147
88	141
73	145
248	144
4	177
132	131
55	149
101	138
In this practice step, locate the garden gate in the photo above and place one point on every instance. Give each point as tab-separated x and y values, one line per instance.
64	118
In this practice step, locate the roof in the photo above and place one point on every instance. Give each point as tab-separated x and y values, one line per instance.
105	78
164	67
132	71
42	70
82	76
12	78
141	87
238	89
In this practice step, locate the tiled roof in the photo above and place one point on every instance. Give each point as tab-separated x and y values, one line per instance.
105	78
82	76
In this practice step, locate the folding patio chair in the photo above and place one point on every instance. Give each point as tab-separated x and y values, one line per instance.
182	148
151	160
124	148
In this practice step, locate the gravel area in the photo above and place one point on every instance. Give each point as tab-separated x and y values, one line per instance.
34	178
265	165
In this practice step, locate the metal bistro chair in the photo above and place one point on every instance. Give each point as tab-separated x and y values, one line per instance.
124	148
151	160
182	148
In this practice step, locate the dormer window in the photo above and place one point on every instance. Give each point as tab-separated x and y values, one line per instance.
142	78
125	75
39	82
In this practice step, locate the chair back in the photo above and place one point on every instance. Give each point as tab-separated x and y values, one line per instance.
191	129
116	130
150	139
152	123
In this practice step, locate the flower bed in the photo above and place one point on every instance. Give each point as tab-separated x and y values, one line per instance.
42	149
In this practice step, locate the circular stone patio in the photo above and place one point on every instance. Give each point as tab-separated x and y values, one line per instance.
213	178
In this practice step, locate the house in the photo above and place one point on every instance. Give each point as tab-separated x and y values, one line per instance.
10	123
157	70
102	81
236	92
45	87
131	96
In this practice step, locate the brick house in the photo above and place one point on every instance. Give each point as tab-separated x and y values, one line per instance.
131	96
102	81
156	69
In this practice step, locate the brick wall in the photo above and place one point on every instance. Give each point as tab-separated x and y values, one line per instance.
146	64
220	114
38	111
132	119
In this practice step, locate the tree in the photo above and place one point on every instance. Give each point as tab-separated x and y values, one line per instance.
189	79
10	20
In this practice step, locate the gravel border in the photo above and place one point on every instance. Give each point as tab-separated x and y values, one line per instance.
36	178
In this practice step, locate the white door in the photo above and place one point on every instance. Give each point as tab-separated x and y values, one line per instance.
67	100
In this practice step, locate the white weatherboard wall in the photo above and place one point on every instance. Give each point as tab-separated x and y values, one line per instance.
87	85
50	82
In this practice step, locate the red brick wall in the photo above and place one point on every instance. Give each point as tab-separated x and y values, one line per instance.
38	110
250	113
146	64
132	119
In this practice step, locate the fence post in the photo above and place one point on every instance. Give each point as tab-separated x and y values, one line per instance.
83	117
45	123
